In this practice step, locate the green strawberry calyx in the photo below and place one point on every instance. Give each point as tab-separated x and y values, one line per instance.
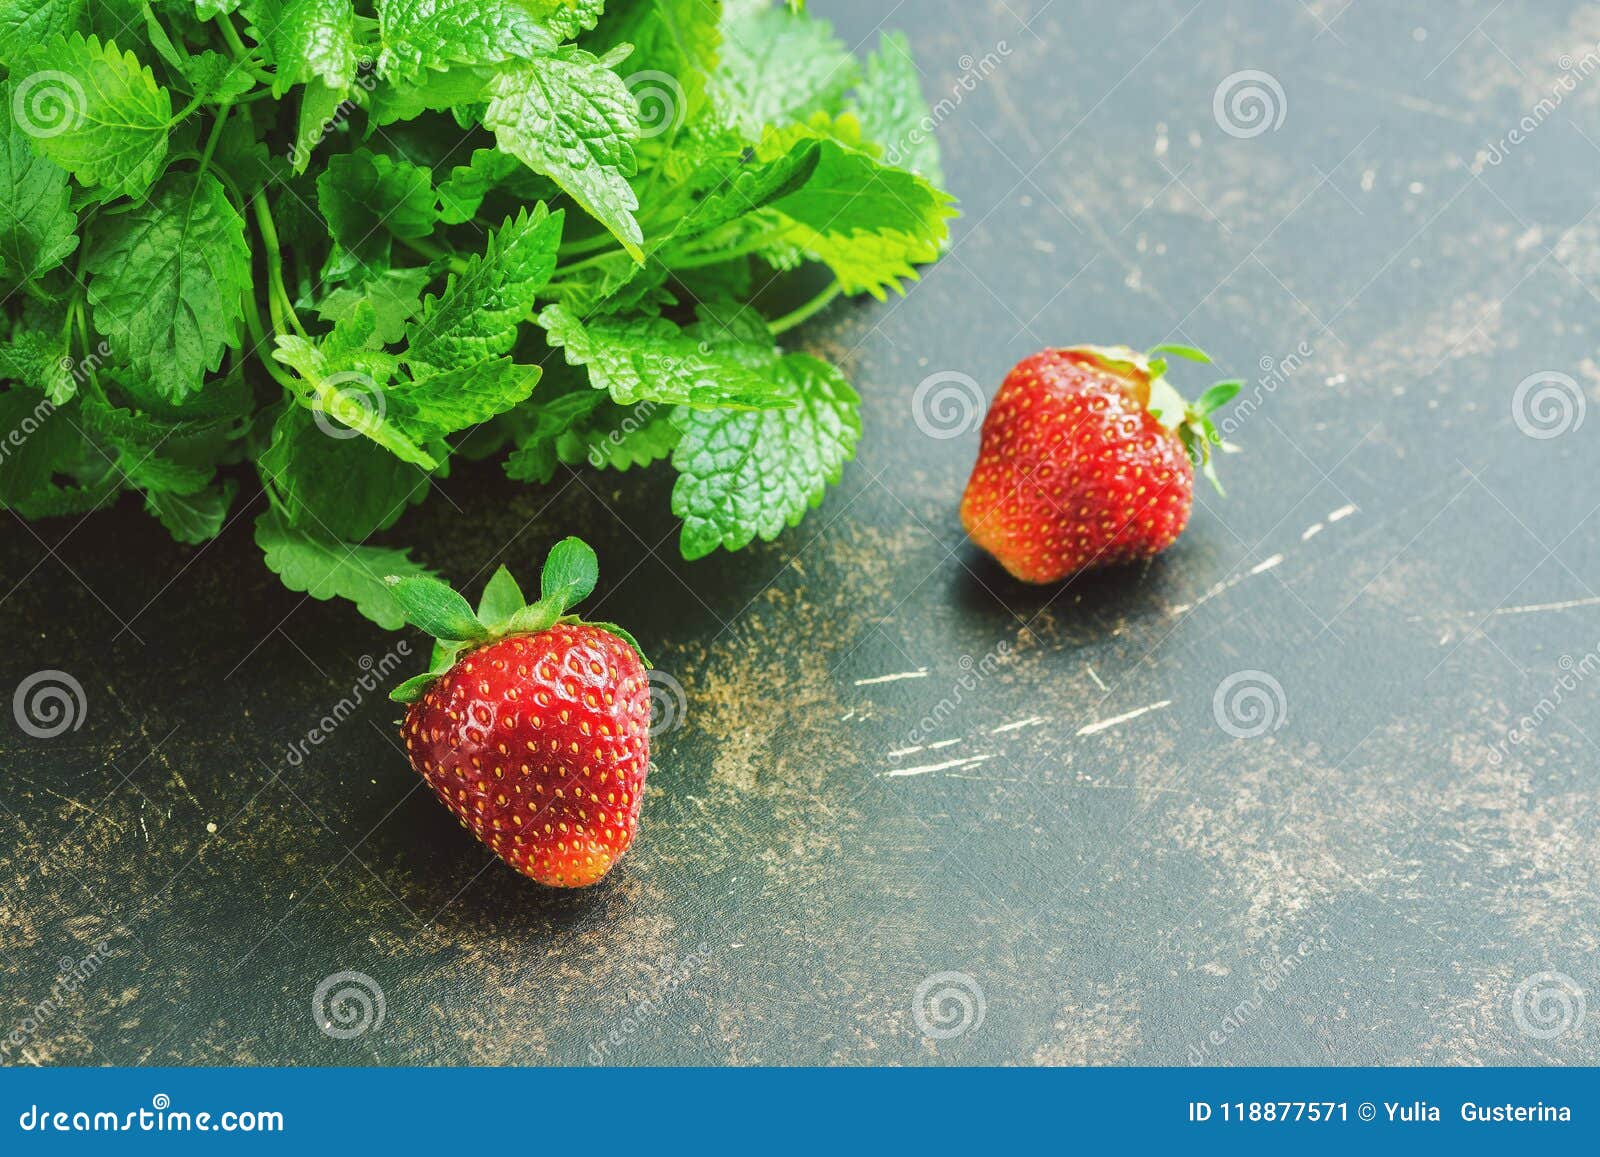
1190	421
570	573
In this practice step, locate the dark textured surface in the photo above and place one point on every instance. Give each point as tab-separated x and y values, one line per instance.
1367	882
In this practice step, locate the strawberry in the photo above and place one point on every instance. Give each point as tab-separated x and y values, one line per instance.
1087	459
532	726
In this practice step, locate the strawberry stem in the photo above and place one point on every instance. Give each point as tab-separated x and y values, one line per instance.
569	576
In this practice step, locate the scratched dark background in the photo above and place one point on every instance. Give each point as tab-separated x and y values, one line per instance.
1090	838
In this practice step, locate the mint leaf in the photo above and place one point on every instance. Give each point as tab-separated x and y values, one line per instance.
619	438
461	194
652	359
94	110
26	23
424	34
451	400
679	39
349	391
193	517
571	118
39	360
365	195
535	459
38	229
324	567
478	314
349	488
167	280
747	475
38	439
892	111
309	39
566	18
395	297
869	223
778	67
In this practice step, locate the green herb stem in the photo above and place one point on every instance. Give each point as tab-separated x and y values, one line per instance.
805	312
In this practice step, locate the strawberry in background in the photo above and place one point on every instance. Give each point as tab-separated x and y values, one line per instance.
1087	459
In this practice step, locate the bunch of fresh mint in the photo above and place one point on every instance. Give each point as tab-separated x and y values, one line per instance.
333	241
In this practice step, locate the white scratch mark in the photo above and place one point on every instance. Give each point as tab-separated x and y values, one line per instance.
930	767
919	673
1092	728
1536	608
1031	721
899	751
1095	677
1260	568
1342	512
1311	531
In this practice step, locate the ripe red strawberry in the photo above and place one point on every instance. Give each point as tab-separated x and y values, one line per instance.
1087	459
532	726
